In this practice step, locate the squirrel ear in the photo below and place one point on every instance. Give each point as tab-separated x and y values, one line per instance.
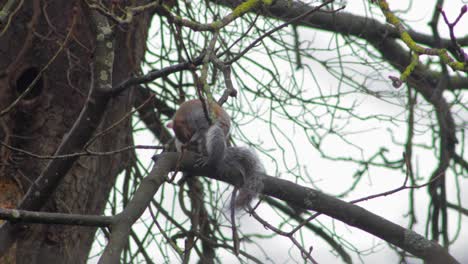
170	124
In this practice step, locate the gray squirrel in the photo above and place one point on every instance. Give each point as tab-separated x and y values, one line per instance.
194	132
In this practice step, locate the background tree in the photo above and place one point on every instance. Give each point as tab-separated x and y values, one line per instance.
322	85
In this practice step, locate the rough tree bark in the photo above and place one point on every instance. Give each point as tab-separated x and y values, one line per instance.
39	121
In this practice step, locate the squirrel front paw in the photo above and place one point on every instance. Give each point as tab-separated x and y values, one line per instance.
201	161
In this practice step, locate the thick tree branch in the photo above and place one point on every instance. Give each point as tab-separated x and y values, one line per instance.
282	189
134	209
285	190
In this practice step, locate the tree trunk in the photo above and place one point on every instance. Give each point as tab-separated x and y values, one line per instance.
39	121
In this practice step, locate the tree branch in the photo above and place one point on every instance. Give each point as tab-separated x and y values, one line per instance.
365	28
155	74
287	191
23	216
143	196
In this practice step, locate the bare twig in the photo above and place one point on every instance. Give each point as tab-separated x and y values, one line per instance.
6	14
23	216
113	126
306	254
153	75
293	20
79	154
130	11
235	234
462	55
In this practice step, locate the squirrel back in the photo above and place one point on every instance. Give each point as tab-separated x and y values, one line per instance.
190	118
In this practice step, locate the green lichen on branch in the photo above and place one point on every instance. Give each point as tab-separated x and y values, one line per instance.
237	12
410	68
455	65
414	47
247	6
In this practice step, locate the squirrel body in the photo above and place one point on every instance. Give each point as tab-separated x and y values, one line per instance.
194	132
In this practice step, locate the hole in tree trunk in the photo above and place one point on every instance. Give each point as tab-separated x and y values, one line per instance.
25	79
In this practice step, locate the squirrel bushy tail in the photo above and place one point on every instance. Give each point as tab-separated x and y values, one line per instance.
244	161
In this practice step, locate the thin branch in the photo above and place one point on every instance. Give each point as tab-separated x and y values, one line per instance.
113	126
238	11
337	247
462	55
462	162
78	154
6	14
458	208
305	254
291	21
23	216
153	75
130	11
